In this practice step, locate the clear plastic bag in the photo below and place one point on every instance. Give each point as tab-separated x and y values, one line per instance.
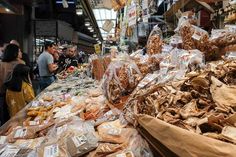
137	147
188	17
193	37
154	43
115	132
120	79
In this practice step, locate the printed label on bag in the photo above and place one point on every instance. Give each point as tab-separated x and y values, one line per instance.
10	152
196	36
51	151
3	139
79	140
20	133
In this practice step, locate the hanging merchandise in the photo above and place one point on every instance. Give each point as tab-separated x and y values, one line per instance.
152	5
154	44
132	14
118	4
142	29
108	25
145	11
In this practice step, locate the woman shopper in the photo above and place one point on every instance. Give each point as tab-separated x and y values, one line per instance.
19	89
11	57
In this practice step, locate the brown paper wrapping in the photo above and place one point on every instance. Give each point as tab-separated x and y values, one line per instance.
185	143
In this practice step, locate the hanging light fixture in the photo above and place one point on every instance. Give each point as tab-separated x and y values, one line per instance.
7	10
87	23
91	30
79	12
94	35
90	27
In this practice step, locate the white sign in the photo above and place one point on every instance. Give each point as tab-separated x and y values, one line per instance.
132	15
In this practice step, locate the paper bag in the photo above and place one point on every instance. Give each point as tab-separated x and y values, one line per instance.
185	143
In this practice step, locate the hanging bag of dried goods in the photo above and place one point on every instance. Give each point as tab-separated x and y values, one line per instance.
154	43
120	79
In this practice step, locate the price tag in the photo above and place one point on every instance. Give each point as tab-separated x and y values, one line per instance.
79	140
3	139
20	133
51	151
196	36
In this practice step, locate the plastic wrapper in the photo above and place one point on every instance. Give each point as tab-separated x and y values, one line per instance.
193	37
223	37
105	149
154	43
53	148
137	147
27	132
76	136
120	79
14	151
176	41
188	17
149	64
115	132
108	116
95	107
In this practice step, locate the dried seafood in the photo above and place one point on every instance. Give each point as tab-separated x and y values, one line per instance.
154	45
202	102
120	79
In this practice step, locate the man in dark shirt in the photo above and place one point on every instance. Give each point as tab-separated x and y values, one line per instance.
68	59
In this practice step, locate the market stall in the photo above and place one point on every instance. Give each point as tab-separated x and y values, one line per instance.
176	99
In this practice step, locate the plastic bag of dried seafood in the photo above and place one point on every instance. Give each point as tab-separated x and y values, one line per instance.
193	37
16	151
77	137
154	43
120	79
175	65
187	16
137	147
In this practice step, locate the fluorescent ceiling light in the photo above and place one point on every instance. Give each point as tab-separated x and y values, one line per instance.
90	28
7	10
97	39
79	12
94	35
87	24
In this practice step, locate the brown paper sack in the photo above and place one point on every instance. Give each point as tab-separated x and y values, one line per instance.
185	143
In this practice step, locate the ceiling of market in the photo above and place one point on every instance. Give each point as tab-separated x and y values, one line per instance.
74	13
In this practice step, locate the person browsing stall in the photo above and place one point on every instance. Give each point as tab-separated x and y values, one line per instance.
11	57
69	59
19	89
46	66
